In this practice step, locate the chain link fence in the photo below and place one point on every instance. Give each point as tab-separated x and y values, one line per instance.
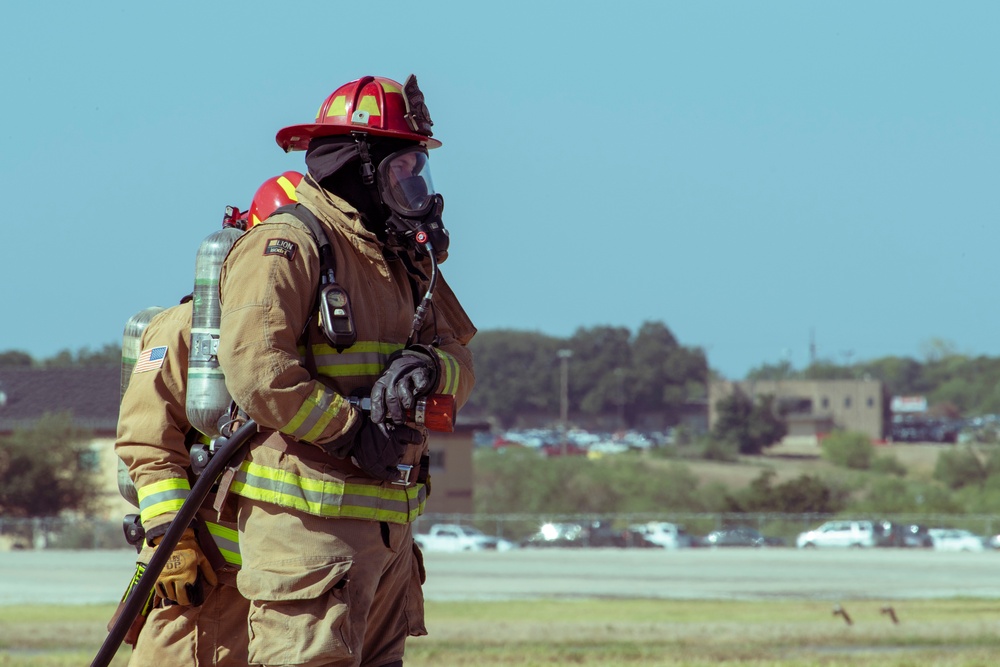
518	527
87	533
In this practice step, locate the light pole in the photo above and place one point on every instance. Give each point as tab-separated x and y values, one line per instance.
564	356
620	376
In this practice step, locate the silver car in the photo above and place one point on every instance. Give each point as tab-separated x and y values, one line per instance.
838	533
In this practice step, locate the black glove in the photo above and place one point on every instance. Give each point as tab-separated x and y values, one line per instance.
411	375
378	448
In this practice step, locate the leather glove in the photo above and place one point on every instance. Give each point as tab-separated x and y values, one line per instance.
411	375
378	448
178	581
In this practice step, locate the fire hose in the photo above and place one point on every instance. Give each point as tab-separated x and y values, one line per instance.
223	452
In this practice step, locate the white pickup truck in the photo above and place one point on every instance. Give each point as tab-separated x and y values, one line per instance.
456	537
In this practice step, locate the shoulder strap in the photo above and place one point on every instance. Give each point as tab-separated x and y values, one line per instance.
327	264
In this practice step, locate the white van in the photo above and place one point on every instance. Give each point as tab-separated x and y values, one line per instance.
665	534
839	534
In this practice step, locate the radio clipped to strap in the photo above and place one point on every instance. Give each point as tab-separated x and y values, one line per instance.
335	318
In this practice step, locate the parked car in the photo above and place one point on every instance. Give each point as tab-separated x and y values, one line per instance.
587	534
839	534
904	535
740	536
455	537
916	536
556	535
663	534
956	539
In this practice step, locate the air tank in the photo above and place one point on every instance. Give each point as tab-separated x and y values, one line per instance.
207	396
131	343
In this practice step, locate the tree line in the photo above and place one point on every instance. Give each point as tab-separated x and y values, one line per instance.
614	372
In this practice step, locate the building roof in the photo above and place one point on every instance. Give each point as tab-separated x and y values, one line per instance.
90	394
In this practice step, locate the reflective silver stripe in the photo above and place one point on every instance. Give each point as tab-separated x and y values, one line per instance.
228	542
364	359
316	412
331	498
156	501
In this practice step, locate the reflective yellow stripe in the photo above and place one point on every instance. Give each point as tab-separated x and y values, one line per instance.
363	359
315	414
228	542
348	370
321	423
360	347
164	485
156	509
164	496
331	497
450	371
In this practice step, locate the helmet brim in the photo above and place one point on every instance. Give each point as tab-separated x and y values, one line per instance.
297	137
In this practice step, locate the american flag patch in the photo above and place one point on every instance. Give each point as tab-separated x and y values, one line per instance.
150	359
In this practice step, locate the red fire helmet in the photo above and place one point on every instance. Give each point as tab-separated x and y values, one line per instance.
373	105
272	194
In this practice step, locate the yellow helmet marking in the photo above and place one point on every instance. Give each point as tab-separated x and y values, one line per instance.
370	104
287	186
337	108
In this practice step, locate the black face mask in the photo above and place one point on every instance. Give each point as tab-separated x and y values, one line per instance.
334	163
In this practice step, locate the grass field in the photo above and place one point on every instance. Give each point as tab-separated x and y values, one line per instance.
949	633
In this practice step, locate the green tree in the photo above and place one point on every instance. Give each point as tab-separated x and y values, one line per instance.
516	372
827	370
43	469
780	371
109	355
900	375
664	374
750	426
597	353
15	359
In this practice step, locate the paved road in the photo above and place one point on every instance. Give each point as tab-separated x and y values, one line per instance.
80	577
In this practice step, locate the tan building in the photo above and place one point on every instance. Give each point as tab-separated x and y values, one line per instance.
451	469
814	407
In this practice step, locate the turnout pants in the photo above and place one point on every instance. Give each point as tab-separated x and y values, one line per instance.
214	633
327	592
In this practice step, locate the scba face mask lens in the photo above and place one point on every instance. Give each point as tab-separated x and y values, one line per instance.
406	188
405	182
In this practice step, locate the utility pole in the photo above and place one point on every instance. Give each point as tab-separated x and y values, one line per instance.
564	356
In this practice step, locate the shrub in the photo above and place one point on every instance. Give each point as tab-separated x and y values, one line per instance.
849	449
959	467
888	465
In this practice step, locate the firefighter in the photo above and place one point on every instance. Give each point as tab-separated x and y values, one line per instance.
199	617
327	491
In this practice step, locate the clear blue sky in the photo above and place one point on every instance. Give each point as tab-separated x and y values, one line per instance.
750	174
